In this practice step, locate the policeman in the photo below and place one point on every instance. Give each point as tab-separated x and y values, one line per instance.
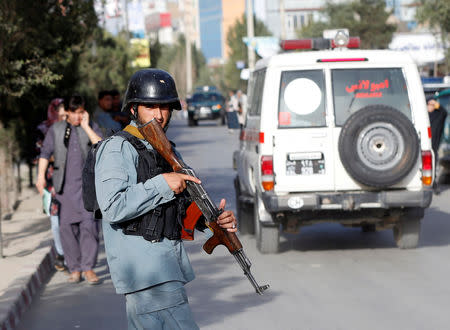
142	202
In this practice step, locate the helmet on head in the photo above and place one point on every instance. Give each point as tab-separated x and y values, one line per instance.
151	86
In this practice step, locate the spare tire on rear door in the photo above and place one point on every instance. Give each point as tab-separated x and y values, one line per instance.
378	146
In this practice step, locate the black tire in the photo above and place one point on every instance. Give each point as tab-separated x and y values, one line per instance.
244	212
191	120
223	119
406	233
444	179
267	237
378	146
369	228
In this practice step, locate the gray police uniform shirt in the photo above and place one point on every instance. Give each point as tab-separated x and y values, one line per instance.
134	262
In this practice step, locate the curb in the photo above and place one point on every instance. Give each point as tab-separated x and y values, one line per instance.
20	295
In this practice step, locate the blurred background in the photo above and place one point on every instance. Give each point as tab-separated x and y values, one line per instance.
55	48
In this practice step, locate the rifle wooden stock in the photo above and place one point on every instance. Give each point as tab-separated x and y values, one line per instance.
154	134
221	237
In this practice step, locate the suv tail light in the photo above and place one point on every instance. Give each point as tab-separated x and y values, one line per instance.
427	168
267	177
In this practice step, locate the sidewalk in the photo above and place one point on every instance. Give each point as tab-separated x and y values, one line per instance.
28	256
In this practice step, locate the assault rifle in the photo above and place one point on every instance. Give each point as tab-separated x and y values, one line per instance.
154	134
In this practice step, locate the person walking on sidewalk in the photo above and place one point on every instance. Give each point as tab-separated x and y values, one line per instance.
55	113
437	115
242	107
69	141
141	201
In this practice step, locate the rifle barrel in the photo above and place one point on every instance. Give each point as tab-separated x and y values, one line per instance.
245	264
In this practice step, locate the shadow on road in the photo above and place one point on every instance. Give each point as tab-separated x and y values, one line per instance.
435	228
62	305
208	298
435	231
330	236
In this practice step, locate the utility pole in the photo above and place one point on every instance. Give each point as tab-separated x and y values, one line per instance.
282	20
127	31
250	35
187	34
103	14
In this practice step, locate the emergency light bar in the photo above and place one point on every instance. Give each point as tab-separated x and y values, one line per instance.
317	43
350	59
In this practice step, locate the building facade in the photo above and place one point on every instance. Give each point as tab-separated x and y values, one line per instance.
216	19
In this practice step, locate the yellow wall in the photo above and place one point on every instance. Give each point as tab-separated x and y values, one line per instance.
232	10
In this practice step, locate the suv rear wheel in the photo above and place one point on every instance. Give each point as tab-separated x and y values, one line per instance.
244	212
406	233
407	229
192	121
267	237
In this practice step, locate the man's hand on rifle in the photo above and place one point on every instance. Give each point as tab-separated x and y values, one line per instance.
227	220
177	181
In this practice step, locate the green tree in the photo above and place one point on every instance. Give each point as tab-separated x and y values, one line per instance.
173	60
238	50
436	14
366	19
105	63
40	42
155	53
38	39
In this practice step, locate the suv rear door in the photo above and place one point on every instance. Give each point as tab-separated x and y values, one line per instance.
356	88
303	153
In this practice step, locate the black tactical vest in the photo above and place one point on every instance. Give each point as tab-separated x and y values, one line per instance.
166	219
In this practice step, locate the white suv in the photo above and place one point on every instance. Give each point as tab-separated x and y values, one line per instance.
335	135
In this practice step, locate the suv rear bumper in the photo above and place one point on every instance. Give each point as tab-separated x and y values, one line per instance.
346	200
196	115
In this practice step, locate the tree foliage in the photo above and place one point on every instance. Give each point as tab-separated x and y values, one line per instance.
155	53
173	60
364	18
104	64
37	39
436	14
238	50
40	42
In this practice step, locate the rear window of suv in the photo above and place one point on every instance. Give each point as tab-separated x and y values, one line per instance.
302	99
354	89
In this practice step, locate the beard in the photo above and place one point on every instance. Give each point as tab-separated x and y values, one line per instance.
140	122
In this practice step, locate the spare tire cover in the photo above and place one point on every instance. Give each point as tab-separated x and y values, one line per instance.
378	146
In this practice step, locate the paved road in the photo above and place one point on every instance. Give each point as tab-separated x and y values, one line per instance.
326	277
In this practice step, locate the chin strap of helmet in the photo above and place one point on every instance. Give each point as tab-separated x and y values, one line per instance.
168	121
134	116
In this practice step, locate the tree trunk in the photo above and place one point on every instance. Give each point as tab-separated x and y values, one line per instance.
1	215
19	178
10	177
30	174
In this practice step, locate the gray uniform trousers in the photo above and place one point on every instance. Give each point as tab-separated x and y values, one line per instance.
161	307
